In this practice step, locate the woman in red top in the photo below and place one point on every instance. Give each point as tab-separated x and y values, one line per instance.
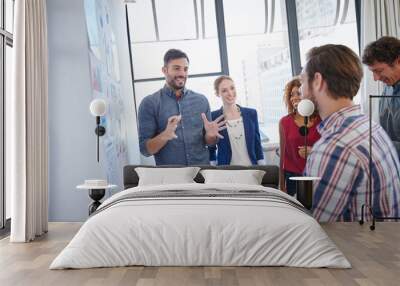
292	149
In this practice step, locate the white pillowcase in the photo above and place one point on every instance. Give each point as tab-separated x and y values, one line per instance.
248	177
166	176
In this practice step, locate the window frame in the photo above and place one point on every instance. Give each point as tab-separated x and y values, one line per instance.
6	39
156	25
224	68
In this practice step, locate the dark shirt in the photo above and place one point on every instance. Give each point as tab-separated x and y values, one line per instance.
189	148
389	114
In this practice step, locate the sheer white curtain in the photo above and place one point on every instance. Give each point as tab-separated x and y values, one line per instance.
378	18
27	134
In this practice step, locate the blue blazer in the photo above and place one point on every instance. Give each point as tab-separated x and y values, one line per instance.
222	152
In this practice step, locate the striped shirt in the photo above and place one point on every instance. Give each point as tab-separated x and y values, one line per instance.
341	159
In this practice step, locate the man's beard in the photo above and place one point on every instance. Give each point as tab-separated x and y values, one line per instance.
311	96
174	86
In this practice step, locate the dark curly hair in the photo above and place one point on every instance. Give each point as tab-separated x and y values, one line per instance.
384	50
295	82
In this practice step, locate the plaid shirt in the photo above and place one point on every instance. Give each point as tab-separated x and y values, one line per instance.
341	159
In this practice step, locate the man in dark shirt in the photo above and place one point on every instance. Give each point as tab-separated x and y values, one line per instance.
383	58
174	122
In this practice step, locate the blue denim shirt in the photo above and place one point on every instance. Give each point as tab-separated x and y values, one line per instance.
189	148
389	114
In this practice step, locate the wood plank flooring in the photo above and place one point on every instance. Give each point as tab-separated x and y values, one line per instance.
374	255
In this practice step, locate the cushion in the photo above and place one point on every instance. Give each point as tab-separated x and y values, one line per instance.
271	179
163	176
248	177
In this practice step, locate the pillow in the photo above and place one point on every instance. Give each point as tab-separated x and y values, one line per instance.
166	176
249	177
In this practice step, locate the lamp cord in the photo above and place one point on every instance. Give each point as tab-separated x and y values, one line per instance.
98	143
305	136
98	136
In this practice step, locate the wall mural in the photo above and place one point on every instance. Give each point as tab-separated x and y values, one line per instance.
105	84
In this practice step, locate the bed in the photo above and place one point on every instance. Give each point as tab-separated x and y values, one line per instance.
201	224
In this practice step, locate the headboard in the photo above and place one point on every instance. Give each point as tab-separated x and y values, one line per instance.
270	179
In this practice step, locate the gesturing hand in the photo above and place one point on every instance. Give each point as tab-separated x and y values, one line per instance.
213	127
302	151
169	131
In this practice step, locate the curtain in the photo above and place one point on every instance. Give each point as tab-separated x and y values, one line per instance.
378	18
28	123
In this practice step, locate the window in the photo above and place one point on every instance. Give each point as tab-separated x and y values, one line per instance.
8	81
154	29
245	17
323	22
326	22
9	15
177	20
141	22
2	109
259	58
6	59
253	43
203	85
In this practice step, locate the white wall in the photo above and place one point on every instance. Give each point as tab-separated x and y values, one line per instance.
72	154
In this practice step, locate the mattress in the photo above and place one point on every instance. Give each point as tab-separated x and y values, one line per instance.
201	225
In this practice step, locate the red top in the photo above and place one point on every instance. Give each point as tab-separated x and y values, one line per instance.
292	161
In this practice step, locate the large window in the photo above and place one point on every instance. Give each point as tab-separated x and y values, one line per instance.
323	22
326	22
156	26
253	41
6	43
259	58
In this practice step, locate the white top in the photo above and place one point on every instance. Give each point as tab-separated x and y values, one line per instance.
96	182
235	129
94	187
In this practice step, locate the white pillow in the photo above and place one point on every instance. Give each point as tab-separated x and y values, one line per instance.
248	177
166	176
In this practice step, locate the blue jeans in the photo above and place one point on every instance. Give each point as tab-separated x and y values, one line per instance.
290	185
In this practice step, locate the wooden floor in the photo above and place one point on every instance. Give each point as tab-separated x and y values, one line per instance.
374	255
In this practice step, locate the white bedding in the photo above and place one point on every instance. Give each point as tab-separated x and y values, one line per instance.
200	231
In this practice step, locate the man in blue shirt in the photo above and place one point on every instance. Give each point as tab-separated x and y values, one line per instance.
383	58
174	122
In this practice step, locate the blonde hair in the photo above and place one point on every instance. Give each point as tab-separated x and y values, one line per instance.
218	81
295	82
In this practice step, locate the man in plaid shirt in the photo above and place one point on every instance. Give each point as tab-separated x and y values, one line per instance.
331	78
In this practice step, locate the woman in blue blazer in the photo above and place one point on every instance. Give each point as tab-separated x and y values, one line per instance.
241	144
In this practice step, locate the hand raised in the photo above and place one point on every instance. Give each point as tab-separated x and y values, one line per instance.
213	127
169	131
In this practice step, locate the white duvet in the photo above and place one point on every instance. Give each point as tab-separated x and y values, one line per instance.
200	231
